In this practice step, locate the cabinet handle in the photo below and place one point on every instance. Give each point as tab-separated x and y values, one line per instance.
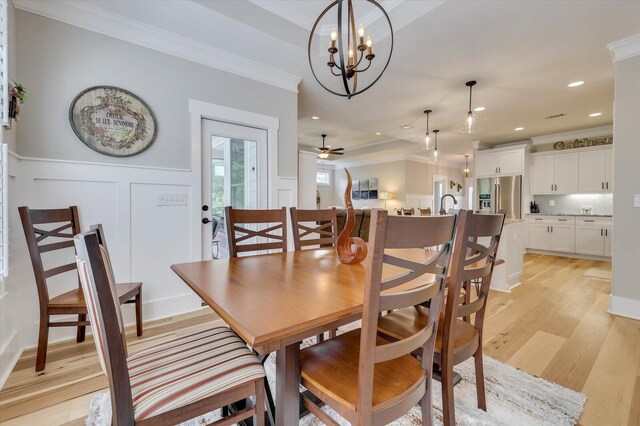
606	232
562	220
552	187
538	219
589	220
601	234
607	185
552	229
602	185
547	228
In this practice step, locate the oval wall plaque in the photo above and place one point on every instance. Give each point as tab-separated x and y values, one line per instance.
112	121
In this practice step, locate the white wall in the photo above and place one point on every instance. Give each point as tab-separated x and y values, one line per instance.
52	168
625	291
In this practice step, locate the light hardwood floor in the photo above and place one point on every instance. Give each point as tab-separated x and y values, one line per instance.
554	325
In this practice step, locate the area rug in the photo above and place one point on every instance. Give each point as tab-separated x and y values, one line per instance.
513	398
600	273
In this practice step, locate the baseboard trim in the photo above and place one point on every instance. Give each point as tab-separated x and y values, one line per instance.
8	361
624	307
572	255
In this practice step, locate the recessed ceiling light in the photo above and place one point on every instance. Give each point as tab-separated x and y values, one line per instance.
478	109
315	118
407	127
517	129
595	114
378	133
576	83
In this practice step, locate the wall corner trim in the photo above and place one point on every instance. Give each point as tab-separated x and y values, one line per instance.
624	306
625	48
90	17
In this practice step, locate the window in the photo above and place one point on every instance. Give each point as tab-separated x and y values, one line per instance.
323	178
4	71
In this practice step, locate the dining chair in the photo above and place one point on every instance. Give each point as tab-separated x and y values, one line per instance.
363	377
473	260
170	382
320	224
63	224
243	239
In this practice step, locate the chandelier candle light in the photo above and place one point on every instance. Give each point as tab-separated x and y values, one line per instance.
471	122
427	137
347	49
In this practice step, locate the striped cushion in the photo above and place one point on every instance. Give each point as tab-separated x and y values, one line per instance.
188	369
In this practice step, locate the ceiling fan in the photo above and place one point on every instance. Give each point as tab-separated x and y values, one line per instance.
324	151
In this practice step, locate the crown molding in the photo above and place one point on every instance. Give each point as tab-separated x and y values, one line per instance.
93	18
577	134
625	48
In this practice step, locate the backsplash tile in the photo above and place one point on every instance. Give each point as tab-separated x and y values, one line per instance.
572	203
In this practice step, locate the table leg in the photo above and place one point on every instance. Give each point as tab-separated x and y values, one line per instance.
288	385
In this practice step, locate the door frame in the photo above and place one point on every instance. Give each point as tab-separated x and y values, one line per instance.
200	110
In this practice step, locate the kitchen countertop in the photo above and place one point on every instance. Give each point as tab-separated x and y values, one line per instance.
569	214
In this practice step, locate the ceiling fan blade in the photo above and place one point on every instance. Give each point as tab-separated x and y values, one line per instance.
338	149
336	153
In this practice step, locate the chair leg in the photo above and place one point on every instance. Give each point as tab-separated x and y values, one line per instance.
448	403
259	417
139	313
427	402
81	328
43	340
482	401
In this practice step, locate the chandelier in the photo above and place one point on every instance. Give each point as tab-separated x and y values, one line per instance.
466	165
427	137
350	53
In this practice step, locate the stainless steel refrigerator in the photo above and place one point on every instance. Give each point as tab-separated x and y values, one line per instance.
501	193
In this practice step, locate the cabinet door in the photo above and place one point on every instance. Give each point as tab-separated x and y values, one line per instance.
542	175
608	183
486	165
566	172
593	173
510	163
589	240
538	236
608	242
562	238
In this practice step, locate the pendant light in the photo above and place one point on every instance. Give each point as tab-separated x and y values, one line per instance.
471	121
427	137
435	146
466	165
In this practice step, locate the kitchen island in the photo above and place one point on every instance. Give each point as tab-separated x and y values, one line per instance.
507	275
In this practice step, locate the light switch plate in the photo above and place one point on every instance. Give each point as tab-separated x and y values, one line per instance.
636	200
552	203
172	199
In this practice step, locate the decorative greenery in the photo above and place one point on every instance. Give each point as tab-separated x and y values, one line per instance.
19	92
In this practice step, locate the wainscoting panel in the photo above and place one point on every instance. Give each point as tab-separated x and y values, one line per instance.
160	237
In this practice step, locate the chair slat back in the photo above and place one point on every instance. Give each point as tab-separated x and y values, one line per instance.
421	281
69	225
106	322
273	221
321	224
473	260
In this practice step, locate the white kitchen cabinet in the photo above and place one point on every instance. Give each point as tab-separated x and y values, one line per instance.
608	242
596	171
554	174
538	236
562	238
593	236
589	240
500	163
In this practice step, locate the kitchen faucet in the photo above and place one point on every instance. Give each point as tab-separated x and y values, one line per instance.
442	210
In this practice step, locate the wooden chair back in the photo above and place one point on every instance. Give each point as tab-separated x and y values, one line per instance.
238	232
103	309
322	224
63	224
426	283
475	249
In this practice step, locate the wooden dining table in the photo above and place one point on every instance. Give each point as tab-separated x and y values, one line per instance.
275	301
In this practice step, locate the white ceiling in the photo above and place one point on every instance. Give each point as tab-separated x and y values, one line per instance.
523	54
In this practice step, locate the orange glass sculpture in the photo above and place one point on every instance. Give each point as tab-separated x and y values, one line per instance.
350	250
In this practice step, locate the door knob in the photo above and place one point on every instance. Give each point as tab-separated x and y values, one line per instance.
205	220
205	208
